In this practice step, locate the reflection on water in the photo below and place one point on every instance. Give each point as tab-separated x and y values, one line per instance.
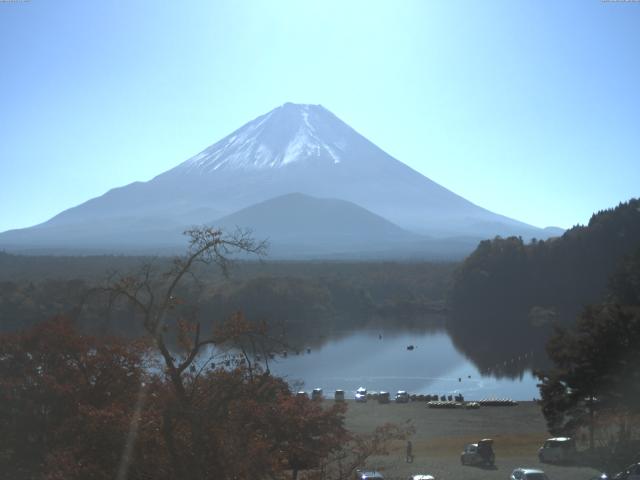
362	358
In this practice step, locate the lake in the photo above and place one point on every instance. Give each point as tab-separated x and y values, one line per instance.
362	358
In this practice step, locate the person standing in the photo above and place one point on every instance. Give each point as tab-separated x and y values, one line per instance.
409	452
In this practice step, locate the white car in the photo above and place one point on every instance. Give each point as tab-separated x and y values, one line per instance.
528	474
361	395
421	477
558	450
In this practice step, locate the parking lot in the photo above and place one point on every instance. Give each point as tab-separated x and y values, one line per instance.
441	434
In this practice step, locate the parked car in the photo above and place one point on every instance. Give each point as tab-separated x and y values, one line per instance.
316	394
373	395
480	453
384	397
402	396
339	396
302	394
528	474
361	395
369	475
421	477
558	450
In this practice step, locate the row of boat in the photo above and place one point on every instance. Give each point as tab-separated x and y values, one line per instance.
402	396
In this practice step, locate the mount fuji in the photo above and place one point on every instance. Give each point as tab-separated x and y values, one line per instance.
302	149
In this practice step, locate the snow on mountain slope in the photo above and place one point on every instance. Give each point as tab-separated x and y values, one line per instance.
293	148
283	136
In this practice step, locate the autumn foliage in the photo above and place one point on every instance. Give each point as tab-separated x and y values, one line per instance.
69	401
65	401
182	403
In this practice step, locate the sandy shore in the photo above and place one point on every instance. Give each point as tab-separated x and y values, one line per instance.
441	434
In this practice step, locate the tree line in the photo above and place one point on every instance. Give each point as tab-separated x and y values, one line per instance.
317	299
593	388
507	296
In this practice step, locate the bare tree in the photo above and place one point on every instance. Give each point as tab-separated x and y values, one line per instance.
153	295
354	454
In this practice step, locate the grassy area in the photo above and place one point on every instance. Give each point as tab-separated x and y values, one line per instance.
441	435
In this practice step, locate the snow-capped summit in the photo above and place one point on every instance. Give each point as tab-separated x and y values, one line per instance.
288	134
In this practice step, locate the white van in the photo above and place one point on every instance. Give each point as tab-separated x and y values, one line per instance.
361	395
558	450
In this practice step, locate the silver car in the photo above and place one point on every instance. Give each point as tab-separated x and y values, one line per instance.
372	475
528	474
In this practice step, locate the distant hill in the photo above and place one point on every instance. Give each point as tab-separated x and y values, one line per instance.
293	148
300	226
509	294
315	225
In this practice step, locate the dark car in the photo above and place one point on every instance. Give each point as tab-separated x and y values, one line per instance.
632	472
480	453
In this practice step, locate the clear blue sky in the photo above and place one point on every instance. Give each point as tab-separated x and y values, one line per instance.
530	109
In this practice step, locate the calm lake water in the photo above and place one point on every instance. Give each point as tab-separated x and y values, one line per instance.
361	358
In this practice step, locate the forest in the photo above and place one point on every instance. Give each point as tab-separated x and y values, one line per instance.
507	297
592	390
300	298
